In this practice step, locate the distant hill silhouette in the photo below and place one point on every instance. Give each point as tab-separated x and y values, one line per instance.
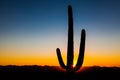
56	73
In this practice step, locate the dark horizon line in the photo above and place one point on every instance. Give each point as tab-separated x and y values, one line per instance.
55	66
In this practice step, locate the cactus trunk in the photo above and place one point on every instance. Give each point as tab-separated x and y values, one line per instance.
70	50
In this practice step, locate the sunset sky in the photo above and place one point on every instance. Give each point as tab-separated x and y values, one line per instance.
31	30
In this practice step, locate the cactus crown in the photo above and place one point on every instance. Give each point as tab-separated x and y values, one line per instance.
70	49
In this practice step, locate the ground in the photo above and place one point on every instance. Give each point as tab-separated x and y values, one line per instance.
56	73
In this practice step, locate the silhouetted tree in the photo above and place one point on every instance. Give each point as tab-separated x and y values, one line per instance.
70	56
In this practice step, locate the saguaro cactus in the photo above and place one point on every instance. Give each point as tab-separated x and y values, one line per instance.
70	51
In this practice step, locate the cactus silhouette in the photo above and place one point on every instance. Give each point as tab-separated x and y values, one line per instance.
70	50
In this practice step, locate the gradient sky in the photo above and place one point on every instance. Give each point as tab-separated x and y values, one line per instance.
31	30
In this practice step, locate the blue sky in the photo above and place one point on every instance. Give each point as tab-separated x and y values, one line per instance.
31	16
40	24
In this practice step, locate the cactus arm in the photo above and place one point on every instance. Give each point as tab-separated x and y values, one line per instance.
60	58
81	51
70	49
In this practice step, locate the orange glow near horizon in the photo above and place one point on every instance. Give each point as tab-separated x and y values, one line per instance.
16	55
53	61
73	65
